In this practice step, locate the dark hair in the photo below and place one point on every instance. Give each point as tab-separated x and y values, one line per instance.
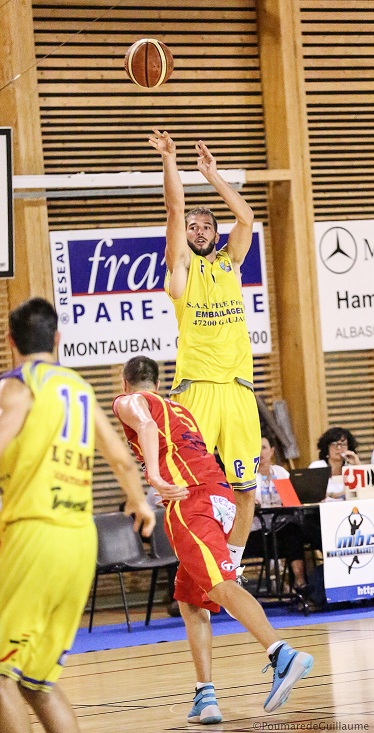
330	436
33	326
270	438
141	369
204	211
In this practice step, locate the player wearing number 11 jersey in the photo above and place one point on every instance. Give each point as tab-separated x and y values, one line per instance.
47	474
49	424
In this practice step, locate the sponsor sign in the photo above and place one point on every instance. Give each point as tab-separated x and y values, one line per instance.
6	204
110	299
348	549
359	481
345	267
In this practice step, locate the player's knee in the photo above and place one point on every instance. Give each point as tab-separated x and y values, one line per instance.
194	613
222	591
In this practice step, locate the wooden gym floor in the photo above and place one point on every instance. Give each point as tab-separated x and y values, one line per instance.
150	688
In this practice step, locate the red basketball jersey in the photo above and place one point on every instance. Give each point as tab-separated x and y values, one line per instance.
183	456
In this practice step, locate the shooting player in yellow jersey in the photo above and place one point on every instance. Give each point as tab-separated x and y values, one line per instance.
214	369
49	421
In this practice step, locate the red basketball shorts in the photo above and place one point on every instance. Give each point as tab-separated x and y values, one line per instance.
198	528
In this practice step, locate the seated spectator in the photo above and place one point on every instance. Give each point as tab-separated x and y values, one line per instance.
290	541
337	448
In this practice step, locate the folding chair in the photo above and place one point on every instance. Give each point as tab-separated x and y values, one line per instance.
121	550
162	549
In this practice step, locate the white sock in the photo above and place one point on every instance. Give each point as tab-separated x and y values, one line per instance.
199	685
273	647
236	554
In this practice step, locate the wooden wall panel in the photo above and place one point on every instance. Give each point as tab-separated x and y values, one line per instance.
350	393
19	109
5	353
95	119
339	73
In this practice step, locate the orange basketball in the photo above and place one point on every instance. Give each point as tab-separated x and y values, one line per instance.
149	63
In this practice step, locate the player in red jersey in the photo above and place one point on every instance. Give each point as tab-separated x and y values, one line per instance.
165	436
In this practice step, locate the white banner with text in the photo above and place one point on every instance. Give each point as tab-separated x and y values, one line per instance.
345	269
6	204
348	549
110	299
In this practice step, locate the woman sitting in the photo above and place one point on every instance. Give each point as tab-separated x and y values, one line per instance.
290	542
337	448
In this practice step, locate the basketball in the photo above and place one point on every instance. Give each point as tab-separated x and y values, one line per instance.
149	63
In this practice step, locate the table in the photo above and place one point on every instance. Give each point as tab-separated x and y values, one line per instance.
275	512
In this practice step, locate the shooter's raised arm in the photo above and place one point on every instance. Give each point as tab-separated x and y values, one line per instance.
177	252
240	237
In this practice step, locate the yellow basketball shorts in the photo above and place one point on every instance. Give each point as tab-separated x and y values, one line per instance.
227	416
45	576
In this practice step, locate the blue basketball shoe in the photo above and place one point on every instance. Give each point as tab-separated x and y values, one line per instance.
289	667
205	708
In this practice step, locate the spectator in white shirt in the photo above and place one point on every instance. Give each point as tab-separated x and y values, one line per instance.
290	538
337	447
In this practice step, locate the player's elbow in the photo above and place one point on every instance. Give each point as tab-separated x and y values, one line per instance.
246	218
147	430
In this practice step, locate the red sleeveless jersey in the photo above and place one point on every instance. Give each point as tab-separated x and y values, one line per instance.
183	456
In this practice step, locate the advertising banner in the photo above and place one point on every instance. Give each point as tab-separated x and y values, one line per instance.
110	299
345	269
6	204
348	549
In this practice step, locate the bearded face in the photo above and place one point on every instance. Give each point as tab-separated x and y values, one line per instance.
202	248
201	234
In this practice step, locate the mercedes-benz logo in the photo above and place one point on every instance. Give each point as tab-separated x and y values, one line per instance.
338	250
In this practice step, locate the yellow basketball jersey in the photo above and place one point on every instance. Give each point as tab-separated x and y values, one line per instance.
46	471
213	340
